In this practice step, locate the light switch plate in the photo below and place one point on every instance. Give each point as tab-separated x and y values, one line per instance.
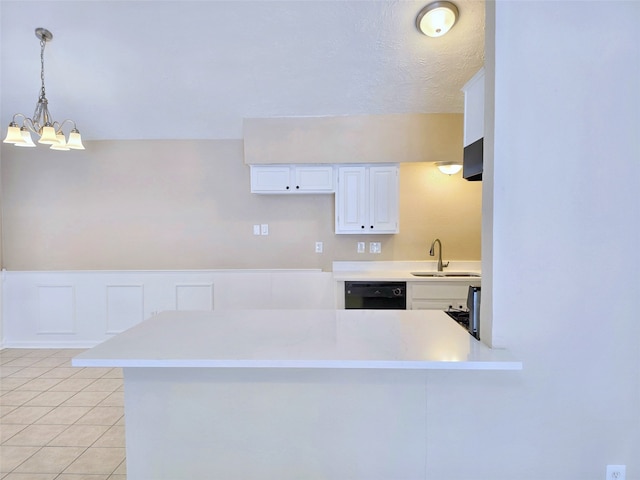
256	229
318	247
360	247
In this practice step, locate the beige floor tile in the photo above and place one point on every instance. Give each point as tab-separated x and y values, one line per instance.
39	384
12	456
60	372
50	460
5	370
4	409
41	352
36	435
114	373
30	476
72	384
63	415
17	397
8	431
97	460
102	416
75	476
68	352
81	436
49	399
25	415
113	437
50	362
11	383
122	468
86	399
103	385
115	399
92	372
117	477
30	372
21	362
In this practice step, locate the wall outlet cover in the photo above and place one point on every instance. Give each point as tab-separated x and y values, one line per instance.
616	472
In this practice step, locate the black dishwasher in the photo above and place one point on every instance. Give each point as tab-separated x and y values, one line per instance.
375	295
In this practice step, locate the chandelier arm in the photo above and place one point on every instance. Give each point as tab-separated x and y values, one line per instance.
61	124
30	125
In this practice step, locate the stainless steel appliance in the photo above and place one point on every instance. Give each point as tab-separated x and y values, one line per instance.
375	295
473	304
469	319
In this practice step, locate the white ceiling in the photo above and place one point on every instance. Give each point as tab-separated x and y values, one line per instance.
195	69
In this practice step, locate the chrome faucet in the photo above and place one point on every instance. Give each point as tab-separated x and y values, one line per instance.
432	253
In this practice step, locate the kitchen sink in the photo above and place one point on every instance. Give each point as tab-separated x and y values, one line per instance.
445	274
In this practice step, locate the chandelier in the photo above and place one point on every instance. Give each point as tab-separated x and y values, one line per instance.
42	124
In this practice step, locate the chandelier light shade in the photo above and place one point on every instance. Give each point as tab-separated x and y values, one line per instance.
449	168
42	124
437	18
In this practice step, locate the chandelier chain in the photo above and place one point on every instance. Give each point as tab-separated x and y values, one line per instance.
42	45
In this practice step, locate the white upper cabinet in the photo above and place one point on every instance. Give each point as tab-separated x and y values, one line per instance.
367	199
285	179
474	108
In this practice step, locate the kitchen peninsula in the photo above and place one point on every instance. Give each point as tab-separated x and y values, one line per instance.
284	393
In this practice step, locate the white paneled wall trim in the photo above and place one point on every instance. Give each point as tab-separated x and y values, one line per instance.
79	309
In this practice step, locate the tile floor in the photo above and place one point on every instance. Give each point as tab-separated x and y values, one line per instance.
59	422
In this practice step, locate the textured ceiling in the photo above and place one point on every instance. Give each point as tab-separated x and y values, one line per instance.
195	69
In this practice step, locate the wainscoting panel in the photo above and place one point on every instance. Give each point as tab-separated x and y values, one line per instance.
56	309
125	307
194	297
79	309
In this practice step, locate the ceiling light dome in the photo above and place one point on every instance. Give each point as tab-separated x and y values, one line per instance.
437	18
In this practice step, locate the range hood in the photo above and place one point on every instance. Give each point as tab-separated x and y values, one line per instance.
472	160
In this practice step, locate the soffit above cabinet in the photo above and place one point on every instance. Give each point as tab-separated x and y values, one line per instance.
354	139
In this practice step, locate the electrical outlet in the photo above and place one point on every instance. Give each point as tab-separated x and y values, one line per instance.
616	472
360	247
264	229
375	247
318	247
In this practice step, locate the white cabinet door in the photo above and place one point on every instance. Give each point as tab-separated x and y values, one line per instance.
367	199
383	199
270	179
286	179
313	179
351	199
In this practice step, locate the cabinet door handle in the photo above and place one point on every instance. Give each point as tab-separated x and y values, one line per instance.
362	226
297	187
287	187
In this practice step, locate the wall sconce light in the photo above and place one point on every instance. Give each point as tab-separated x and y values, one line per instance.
449	168
49	130
437	18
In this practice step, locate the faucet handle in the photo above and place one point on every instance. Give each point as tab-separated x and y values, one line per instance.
445	265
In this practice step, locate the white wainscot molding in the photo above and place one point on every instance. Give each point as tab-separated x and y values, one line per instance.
79	309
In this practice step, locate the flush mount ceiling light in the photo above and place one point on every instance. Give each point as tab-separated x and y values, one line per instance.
449	168
49	130
437	18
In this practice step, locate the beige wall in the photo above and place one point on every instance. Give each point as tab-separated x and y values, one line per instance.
187	205
417	137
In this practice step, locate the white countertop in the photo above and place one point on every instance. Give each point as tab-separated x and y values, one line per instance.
378	339
400	271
